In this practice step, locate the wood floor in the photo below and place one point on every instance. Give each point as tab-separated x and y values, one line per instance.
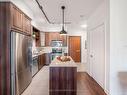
40	84
87	86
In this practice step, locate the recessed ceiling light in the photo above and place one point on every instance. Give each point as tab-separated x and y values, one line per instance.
84	26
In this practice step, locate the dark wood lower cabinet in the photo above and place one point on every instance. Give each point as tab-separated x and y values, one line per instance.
63	80
41	61
44	59
47	58
62	92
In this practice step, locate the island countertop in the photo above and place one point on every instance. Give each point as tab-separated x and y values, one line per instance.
57	63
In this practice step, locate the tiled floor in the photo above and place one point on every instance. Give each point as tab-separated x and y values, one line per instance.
40	83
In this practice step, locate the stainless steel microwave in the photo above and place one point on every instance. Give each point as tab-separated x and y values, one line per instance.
56	43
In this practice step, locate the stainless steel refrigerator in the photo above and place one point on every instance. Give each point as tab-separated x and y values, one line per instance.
21	60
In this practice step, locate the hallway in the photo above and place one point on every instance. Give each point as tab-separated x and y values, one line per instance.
40	84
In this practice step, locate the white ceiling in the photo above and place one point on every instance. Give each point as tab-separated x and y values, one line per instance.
76	12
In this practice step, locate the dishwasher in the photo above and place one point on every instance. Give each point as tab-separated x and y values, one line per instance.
35	66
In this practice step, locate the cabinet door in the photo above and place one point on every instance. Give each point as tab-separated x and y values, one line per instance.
41	61
48	38
26	24
64	39
54	36
47	43
57	36
17	18
47	58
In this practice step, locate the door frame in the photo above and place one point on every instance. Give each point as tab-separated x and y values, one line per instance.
80	46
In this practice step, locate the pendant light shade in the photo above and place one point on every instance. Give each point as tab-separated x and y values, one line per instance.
63	32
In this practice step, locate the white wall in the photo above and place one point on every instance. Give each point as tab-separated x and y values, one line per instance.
118	47
83	35
98	18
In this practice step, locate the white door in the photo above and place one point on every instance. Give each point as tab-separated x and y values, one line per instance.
97	54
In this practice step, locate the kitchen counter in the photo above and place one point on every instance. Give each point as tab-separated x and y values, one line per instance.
36	51
37	54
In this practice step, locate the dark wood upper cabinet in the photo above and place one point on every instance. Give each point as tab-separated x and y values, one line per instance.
27	24
47	40
19	20
44	59
49	36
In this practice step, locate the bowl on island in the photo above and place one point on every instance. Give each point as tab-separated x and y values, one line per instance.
63	58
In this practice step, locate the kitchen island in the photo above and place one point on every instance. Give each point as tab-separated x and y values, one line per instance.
63	77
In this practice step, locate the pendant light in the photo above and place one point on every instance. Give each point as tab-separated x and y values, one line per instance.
63	32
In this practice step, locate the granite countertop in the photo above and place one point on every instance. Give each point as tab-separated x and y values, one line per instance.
40	50
57	63
37	54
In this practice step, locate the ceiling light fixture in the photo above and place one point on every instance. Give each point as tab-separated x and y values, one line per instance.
84	26
63	32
